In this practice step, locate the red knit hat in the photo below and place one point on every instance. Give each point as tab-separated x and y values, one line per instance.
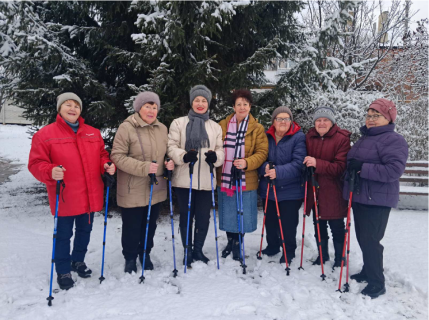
386	107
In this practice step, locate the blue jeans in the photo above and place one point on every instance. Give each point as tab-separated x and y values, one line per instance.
80	244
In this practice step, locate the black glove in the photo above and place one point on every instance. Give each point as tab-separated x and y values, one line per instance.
355	165
108	179
211	156
190	156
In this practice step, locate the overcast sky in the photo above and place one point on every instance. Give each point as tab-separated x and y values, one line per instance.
422	8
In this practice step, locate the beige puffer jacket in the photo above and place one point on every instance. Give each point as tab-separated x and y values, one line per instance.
133	180
176	151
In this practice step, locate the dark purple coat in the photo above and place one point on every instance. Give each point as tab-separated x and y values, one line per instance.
384	154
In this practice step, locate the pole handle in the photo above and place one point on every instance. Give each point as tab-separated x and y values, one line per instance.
153	176
169	172
271	166
58	189
313	178
352	179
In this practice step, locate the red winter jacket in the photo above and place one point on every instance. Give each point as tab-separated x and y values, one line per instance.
330	152
83	156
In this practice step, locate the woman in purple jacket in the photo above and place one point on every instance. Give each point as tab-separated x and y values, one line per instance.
379	159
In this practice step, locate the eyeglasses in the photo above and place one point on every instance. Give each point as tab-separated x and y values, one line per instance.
283	120
373	117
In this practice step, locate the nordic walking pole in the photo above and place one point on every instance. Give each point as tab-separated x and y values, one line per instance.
263	223
211	165
303	215
280	223
152	182
352	176
50	298
242	224
169	174
319	243
235	177
109	182
191	172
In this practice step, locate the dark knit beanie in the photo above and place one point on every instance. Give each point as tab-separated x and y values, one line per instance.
200	90
279	110
324	112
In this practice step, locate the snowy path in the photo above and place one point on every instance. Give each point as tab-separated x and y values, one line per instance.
204	292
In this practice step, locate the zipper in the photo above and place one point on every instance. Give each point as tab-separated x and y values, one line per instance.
199	170
83	167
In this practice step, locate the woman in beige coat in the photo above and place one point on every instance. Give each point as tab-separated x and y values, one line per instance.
140	140
195	139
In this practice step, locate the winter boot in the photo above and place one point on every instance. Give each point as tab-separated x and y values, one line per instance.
236	250
338	246
148	265
183	236
227	250
81	269
359	277
199	238
271	250
130	266
289	258
325	252
373	291
65	281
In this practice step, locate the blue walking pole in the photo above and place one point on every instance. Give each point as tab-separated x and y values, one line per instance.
242	225
238	213
169	173
214	213
152	182
191	171
50	298
109	182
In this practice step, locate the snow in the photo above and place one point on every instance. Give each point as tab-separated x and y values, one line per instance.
204	292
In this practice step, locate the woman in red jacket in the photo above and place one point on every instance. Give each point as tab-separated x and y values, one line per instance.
79	150
327	148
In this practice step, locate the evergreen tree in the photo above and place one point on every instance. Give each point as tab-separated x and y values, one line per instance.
85	47
224	45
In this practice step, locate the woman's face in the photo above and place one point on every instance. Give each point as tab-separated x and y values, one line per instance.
148	112
200	105
323	125
375	119
70	111
241	108
282	123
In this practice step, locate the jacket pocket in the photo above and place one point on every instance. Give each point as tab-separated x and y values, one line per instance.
129	184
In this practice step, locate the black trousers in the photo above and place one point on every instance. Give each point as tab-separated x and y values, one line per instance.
201	203
289	217
134	222
370	225
337	228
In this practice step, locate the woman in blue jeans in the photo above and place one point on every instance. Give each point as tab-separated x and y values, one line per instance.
287	151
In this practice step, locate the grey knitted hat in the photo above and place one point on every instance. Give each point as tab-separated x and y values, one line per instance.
279	110
200	90
324	112
145	97
68	96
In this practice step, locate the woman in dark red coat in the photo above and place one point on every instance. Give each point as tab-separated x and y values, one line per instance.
327	148
79	149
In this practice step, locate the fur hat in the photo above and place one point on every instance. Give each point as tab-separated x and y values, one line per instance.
145	97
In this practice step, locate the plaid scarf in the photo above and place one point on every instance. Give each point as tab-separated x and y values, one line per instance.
234	140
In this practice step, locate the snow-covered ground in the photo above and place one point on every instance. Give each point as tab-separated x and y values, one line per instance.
204	292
